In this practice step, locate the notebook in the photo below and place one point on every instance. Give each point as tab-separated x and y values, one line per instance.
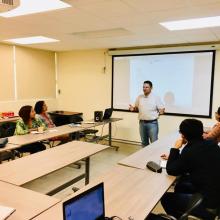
5	212
88	205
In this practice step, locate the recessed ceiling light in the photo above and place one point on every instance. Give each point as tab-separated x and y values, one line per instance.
192	23
31	40
35	6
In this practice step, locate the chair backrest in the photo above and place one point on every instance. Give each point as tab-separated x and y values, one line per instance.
194	202
2	132
7	129
218	213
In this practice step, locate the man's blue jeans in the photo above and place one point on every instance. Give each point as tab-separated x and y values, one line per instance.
148	131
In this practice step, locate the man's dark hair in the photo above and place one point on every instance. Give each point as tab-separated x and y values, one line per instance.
192	129
149	83
218	111
24	113
39	107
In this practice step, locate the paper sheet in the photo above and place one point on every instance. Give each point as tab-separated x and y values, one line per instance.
5	212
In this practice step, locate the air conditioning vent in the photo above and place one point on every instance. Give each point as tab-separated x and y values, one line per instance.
7	5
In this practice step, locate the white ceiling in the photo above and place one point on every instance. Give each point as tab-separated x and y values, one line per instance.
125	23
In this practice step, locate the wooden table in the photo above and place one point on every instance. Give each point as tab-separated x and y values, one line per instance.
109	135
27	203
57	131
48	161
10	119
9	147
19	140
50	133
129	192
150	153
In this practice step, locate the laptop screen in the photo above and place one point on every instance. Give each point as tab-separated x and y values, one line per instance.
107	114
88	205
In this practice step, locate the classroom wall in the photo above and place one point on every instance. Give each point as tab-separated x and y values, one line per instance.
26	75
84	81
85	87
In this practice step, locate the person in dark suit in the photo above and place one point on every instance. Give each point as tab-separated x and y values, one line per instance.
199	160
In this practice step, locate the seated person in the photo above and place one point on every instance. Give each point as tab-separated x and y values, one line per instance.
200	160
25	125
41	110
214	133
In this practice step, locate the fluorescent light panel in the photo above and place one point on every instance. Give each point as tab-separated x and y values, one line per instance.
192	23
35	6
31	40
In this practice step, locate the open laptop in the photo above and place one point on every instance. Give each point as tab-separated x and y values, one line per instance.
107	114
88	205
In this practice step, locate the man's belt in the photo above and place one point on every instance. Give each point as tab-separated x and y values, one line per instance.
148	121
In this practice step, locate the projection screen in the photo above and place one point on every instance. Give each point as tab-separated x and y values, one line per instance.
183	80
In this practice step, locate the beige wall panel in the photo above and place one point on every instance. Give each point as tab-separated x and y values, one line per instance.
16	105
35	73
84	85
6	73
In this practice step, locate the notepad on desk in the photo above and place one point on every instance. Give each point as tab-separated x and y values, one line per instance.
5	212
74	125
53	130
163	163
37	132
88	122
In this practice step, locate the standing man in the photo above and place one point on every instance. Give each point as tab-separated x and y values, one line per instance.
149	107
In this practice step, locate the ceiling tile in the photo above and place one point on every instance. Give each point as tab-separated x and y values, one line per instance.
109	8
155	5
199	35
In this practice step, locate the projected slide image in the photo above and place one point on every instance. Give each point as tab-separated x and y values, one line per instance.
181	80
